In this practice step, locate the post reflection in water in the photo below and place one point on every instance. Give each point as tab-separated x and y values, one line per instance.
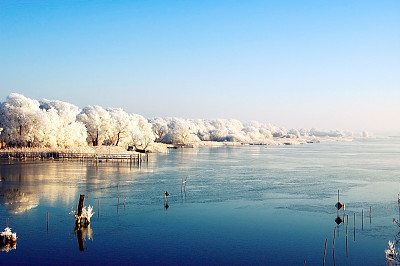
8	246
183	189
83	232
8	239
166	194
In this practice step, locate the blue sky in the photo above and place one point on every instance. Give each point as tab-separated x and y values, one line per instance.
324	64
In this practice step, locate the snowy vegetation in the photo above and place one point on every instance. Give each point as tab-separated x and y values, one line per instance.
54	124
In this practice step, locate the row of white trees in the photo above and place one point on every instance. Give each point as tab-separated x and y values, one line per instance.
55	124
177	130
27	122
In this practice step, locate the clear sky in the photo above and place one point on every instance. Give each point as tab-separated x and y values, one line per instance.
324	64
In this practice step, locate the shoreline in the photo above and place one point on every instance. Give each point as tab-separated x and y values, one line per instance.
119	153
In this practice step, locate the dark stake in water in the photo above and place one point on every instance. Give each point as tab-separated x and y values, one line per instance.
229	205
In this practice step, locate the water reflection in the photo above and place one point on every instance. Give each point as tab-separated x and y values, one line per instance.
17	200
83	232
183	189
8	239
24	184
8	246
244	203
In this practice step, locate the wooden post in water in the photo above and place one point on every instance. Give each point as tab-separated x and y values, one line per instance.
81	204
333	246
118	192
326	240
362	219
118	198
47	221
354	226
347	229
370	214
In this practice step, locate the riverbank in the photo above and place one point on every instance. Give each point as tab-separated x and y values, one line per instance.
120	153
270	142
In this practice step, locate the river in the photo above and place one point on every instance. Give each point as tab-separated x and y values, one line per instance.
270	205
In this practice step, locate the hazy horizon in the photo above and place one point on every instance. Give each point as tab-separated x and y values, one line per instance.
312	64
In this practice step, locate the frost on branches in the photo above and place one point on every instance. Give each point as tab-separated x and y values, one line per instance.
27	122
85	216
392	254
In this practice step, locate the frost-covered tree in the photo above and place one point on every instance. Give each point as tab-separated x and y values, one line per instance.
69	132
257	133
97	121
159	127
304	132
294	133
19	120
26	122
322	133
141	133
182	131
219	130
119	128
204	128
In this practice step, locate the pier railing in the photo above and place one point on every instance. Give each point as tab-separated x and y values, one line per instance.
98	157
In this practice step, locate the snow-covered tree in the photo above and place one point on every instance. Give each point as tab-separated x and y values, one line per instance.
294	132
220	130
182	131
97	121
160	128
141	133
19	120
69	132
27	122
322	133
119	128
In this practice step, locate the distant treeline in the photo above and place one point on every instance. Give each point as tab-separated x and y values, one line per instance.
26	122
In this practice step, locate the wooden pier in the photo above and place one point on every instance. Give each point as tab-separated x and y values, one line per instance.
132	157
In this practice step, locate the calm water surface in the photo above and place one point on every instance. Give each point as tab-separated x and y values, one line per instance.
241	205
